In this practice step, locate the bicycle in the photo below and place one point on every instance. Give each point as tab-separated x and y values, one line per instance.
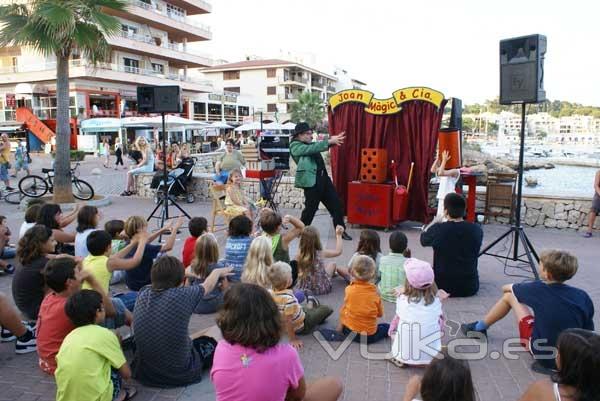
13	197
35	186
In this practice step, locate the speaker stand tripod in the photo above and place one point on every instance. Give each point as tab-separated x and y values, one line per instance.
166	198
516	230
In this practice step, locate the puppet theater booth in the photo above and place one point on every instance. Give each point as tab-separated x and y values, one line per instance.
386	140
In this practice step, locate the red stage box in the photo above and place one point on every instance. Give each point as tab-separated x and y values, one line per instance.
260	174
370	204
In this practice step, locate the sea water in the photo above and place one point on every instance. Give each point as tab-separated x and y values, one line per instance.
562	181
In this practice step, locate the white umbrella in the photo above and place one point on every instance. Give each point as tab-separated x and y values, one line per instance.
289	126
249	127
273	126
220	125
170	122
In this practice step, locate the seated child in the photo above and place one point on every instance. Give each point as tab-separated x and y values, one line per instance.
88	219
369	244
362	306
418	315
6	250
313	275
90	362
445	379
543	309
236	202
448	180
257	263
63	277
139	276
237	245
197	227
270	223
116	230
165	355
391	266
296	319
206	259
31	216
251	359
577	362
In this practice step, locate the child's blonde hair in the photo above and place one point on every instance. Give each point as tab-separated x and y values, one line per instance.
206	252
231	173
259	259
414	295
280	275
363	268
310	244
561	265
134	225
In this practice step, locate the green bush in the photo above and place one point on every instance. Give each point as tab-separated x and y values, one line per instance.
77	155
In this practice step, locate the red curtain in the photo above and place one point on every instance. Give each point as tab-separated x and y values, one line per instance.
409	136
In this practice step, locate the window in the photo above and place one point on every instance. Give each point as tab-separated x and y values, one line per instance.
158	68
228	75
243	110
128	29
271	108
131	65
199	108
271	90
234	89
214	108
271	72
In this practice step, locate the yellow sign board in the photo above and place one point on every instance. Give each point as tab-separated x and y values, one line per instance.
386	106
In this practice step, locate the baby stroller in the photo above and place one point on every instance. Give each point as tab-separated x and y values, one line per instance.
178	181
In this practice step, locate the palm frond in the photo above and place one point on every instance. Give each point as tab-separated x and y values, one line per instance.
91	42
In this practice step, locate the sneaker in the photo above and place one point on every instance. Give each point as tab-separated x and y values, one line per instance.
587	234
467	328
10	269
26	343
6	335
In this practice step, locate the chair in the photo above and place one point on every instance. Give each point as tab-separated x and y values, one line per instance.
500	193
217	193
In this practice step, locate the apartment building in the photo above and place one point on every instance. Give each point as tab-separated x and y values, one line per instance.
150	49
273	84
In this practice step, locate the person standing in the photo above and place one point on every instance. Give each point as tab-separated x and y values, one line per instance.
595	209
106	152
5	161
118	153
21	159
312	177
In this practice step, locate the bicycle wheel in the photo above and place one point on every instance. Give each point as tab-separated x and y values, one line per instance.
33	186
82	190
14	197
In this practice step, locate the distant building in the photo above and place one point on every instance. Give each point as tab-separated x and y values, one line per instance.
345	81
272	84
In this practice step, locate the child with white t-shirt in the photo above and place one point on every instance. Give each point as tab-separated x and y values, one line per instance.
418	315
448	180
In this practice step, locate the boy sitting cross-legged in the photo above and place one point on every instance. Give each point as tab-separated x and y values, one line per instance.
90	362
555	306
296	319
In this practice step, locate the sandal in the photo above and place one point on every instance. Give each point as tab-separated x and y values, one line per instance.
397	363
125	193
130	392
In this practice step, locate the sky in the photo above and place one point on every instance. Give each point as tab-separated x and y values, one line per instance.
451	46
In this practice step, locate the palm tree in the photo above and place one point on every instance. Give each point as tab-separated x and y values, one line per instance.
309	108
55	28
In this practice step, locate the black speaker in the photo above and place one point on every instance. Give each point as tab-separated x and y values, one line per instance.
456	114
522	69
159	99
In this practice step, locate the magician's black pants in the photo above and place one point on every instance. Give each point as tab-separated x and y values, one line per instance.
322	191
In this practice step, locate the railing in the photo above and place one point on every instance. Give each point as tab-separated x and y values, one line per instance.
178	47
288	96
104	66
216	117
295	78
330	88
170	13
316	84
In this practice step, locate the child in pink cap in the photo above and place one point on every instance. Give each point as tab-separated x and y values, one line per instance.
416	329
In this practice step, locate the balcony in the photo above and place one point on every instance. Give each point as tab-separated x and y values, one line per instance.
294	79
193	7
317	84
146	44
104	72
176	24
287	97
331	88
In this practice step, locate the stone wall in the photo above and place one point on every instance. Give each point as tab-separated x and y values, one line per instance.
537	211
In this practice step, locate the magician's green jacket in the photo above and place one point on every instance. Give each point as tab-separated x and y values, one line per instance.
306	172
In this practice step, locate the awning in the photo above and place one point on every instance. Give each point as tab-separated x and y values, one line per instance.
101	125
220	125
249	127
10	128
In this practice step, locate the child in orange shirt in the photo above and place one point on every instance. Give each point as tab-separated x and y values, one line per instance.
362	306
